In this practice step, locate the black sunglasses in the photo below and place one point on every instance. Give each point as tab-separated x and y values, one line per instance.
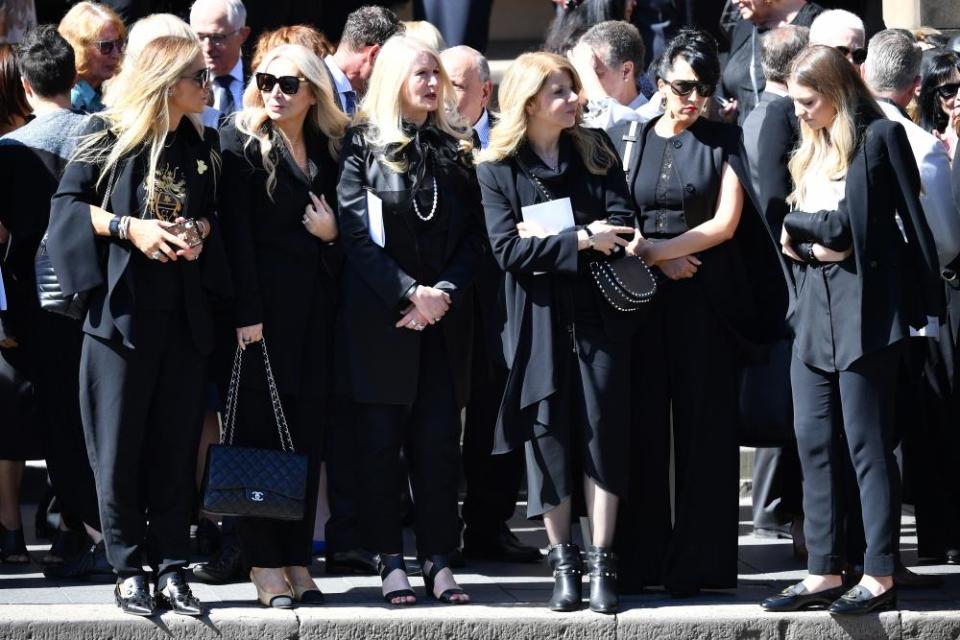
686	87
857	56
947	91
105	47
288	84
202	77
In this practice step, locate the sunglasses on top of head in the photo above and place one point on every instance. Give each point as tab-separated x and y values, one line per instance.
686	87
106	47
289	85
857	56
949	90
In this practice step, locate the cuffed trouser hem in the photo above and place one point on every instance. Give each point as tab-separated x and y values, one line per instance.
824	565
879	565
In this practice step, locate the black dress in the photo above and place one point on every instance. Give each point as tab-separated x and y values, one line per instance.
568	349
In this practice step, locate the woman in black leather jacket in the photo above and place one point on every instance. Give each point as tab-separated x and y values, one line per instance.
410	226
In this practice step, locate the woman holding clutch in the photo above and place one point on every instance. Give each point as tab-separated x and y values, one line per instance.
568	391
118	230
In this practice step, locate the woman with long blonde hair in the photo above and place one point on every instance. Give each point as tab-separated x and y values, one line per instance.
411	229
98	37
277	193
133	224
568	350
864	276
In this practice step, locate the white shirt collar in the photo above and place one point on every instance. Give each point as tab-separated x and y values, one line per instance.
638	102
339	78
482	127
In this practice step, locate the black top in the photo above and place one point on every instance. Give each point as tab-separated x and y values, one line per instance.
779	135
377	362
86	262
532	335
285	277
891	281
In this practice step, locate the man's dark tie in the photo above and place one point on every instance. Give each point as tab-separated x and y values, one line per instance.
350	98
227	106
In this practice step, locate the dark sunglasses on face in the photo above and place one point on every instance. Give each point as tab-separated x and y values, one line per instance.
202	77
949	90
289	85
105	47
686	87
857	56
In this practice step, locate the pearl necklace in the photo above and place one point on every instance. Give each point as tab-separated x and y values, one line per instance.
433	209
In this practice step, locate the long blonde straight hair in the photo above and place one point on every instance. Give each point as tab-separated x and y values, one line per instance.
522	82
828	151
381	106
139	116
324	116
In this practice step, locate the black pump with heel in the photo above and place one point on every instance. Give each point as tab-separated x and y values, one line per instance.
437	564
567	567
387	564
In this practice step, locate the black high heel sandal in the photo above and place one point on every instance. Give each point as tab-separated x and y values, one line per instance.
13	548
387	564
439	563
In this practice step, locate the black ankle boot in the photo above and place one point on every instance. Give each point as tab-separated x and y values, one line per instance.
567	567
602	563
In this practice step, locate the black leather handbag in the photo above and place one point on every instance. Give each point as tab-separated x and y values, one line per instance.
254	483
49	292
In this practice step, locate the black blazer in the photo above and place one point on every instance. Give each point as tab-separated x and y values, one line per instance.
77	253
378	362
895	280
529	346
779	135
284	277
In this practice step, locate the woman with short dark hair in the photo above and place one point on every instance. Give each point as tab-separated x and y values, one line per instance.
938	105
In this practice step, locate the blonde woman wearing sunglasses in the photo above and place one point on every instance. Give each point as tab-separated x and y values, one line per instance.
98	36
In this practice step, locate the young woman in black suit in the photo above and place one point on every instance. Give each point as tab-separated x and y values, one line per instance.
278	187
686	175
568	350
864	271
411	229
148	330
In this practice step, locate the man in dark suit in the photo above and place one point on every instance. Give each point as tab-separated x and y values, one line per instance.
460	21
492	480
222	28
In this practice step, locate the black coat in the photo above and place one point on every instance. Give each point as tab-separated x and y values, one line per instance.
77	253
893	276
530	345
285	277
779	135
378	362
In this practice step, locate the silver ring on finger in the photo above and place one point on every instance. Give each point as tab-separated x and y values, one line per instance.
156	255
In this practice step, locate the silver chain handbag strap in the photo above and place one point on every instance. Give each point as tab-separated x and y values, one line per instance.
228	430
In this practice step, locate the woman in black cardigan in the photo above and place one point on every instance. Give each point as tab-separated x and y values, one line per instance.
411	230
567	396
148	330
864	276
279	174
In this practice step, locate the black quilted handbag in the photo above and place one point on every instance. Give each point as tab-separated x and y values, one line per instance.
49	292
254	483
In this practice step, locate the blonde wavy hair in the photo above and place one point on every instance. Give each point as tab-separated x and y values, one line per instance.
324	116
521	84
828	151
81	25
139	118
381	106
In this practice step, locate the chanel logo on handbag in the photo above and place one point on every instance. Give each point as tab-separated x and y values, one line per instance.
256	496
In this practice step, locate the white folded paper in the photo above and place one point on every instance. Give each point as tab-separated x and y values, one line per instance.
932	330
552	217
375	218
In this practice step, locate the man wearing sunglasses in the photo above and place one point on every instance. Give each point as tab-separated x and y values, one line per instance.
843	31
222	28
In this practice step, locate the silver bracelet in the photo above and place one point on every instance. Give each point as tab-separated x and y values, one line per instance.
124	227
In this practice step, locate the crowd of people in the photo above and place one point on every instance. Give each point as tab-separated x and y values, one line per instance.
362	252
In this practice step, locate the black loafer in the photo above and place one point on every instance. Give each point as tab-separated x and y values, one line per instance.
224	568
133	596
89	562
351	562
501	547
175	595
859	600
797	598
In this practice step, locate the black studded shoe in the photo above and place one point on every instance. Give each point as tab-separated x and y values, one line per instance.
859	600
797	598
567	567
133	596
602	565
175	595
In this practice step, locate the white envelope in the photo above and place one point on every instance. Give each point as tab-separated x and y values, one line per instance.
375	218
553	216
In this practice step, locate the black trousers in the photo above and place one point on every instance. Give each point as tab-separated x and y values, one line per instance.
777	496
862	400
58	396
280	543
428	431
459	21
142	411
492	480
341	451
685	381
